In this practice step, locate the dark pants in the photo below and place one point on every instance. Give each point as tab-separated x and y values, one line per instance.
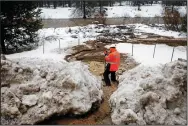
106	75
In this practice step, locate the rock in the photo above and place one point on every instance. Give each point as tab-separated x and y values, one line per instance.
29	100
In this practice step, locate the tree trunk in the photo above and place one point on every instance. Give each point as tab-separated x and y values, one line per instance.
100	6
3	49
48	2
172	8
81	5
69	3
84	9
120	3
55	4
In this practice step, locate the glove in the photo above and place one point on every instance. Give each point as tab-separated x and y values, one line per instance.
105	53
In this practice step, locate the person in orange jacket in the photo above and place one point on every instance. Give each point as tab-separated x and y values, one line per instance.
112	64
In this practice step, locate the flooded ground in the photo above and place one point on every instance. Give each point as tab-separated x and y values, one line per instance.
55	23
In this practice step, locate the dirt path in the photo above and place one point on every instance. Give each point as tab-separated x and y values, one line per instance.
92	54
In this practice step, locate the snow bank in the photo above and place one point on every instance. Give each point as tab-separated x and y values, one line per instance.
151	95
33	90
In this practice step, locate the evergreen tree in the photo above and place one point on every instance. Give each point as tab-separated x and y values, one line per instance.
85	8
184	23
19	23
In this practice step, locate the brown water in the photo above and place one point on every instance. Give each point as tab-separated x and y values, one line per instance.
55	23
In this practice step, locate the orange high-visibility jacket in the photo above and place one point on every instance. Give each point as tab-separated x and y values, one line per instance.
114	59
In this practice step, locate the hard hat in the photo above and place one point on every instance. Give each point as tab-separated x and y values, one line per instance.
113	46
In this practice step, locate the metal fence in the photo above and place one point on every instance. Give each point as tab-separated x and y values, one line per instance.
154	51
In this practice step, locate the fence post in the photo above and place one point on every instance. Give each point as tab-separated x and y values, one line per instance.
132	49
154	51
43	46
78	39
172	54
59	46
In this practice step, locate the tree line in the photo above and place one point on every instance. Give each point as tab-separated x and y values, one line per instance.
85	7
75	3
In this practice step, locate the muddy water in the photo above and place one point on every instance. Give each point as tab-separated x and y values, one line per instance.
55	23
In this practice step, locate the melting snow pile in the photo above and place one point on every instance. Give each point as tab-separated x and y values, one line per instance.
151	95
32	93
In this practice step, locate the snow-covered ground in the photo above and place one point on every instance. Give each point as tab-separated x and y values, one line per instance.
66	38
144	53
58	13
115	11
157	30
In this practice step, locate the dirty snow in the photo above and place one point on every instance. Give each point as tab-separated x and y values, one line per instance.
33	90
151	95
